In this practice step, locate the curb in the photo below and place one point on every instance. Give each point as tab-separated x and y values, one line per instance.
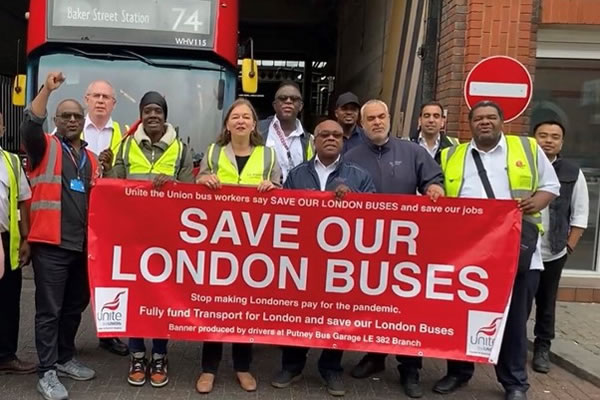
570	356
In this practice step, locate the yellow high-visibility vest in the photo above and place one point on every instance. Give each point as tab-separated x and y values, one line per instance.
13	167
258	168
137	166
521	163
115	139
453	140
309	151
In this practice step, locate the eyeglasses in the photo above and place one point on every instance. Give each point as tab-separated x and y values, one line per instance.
283	98
66	116
98	96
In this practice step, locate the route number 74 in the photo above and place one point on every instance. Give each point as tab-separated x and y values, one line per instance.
191	18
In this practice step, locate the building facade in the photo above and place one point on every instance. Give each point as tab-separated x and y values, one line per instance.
559	43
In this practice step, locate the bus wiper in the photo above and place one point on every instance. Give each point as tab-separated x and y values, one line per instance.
101	55
131	55
166	64
151	62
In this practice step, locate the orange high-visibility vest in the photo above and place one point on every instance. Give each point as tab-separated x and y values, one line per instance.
46	187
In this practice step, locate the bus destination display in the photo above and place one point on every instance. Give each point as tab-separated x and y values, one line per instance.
172	23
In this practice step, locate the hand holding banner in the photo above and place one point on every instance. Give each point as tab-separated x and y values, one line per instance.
384	273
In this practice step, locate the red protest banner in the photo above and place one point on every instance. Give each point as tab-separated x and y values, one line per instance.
384	273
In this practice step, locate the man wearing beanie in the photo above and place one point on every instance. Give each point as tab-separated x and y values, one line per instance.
153	153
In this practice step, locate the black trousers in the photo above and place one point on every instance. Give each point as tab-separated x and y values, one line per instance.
10	303
408	365
61	295
545	303
293	359
212	352
463	370
511	369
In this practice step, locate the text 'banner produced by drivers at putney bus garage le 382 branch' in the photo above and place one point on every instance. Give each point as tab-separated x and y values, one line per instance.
384	273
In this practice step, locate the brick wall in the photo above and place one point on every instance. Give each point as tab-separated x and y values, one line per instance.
476	29
582	12
451	60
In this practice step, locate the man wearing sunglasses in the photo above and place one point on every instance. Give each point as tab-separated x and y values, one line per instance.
62	171
284	131
103	134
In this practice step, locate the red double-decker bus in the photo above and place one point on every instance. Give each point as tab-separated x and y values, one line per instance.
184	49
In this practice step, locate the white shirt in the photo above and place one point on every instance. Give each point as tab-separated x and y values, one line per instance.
294	143
24	194
98	139
494	162
580	205
423	144
324	171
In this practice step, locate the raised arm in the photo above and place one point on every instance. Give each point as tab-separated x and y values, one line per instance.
32	131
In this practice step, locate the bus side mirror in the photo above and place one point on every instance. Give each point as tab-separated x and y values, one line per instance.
249	75
18	93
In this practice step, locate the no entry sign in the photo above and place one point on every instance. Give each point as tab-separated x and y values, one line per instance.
503	80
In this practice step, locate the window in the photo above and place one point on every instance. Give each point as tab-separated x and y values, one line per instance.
191	93
569	90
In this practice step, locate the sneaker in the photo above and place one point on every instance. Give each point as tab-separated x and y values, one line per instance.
541	361
158	370
335	384
137	369
75	370
50	387
285	378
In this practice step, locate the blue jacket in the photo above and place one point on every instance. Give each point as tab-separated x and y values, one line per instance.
305	176
399	166
356	138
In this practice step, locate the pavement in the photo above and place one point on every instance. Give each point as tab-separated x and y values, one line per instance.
110	383
577	344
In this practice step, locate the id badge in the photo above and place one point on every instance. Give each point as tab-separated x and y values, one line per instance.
77	185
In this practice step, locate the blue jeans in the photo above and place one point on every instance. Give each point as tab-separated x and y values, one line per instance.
159	346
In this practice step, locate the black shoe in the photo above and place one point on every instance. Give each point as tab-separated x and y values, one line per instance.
412	386
367	367
335	384
541	361
114	345
515	395
285	378
448	384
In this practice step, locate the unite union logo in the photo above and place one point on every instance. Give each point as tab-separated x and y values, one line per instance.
491	329
482	331
111	309
114	304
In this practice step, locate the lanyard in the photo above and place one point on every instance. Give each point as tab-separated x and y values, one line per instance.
283	141
82	160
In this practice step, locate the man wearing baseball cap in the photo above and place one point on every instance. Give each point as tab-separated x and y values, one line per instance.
347	108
